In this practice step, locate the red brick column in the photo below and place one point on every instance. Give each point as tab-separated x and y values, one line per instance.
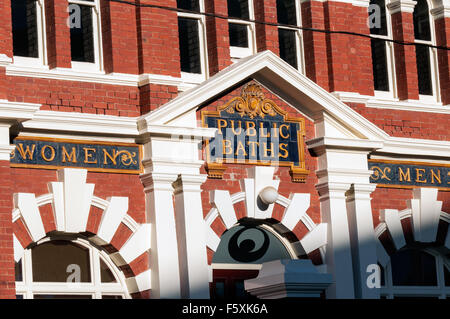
315	43
159	37
6	46
122	54
442	26
405	55
266	35
6	29
7	269
58	36
217	36
350	63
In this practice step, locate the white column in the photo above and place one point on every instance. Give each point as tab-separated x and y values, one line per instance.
163	252
5	147
362	238
338	252
191	237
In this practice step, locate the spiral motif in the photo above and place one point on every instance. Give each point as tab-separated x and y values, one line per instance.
244	251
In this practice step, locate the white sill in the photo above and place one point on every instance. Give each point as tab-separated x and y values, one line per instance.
85	67
22	61
194	78
394	103
239	53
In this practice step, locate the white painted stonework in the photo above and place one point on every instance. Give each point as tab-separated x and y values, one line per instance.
71	198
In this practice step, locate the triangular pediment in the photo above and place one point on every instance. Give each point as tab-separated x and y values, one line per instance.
281	79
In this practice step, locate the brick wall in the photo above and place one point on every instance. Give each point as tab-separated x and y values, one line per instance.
7	270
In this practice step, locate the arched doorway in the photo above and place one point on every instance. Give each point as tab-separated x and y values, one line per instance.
239	256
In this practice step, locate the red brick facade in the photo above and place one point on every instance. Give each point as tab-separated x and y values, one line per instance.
144	41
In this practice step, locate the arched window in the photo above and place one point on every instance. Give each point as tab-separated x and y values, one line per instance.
68	269
382	51
426	57
413	272
240	254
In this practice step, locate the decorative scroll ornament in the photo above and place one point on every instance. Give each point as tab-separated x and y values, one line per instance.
379	173
251	103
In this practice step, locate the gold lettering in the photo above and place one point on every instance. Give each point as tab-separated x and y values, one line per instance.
234	131
88	155
404	176
112	158
227	150
262	129
72	157
281	131
419	175
438	176
240	146
27	151
252	148
52	157
251	131
283	147
221	124
266	150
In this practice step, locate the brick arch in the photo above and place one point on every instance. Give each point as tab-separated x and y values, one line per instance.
70	207
423	221
223	216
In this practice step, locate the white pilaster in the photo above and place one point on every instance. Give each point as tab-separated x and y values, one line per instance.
163	252
191	237
362	237
338	256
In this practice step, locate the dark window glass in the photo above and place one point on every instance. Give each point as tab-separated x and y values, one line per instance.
380	25
286	12
424	70
18	269
447	276
288	46
55	261
189	45
24	27
421	21
413	268
19	296
62	297
238	9
379	64
238	35
192	5
111	297
82	37
105	272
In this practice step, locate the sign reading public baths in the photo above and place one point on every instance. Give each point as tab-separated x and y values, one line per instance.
398	174
49	153
254	130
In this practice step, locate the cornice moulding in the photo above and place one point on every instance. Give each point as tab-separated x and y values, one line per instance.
81	122
17	111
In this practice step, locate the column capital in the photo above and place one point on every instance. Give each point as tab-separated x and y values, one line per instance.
332	190
401	6
189	182
360	191
160	181
441	9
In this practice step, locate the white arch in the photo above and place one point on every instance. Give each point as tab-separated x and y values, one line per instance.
425	212
71	198
294	213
